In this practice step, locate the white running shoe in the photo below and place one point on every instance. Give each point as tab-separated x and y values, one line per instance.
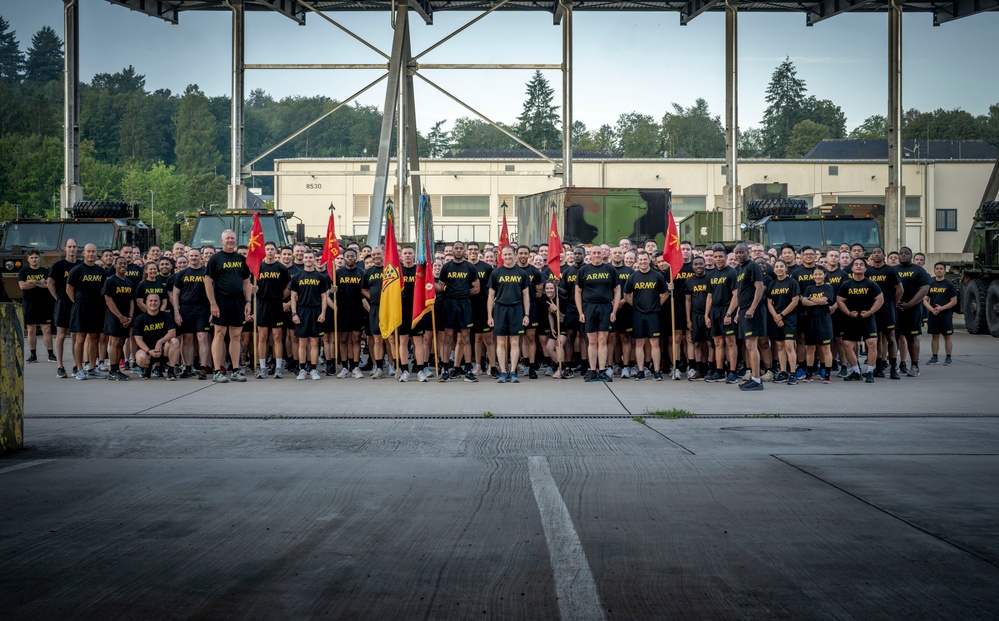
315	374
301	375
358	373
405	376
691	372
391	370
477	370
377	373
344	373
421	376
676	374
768	376
625	373
279	373
104	367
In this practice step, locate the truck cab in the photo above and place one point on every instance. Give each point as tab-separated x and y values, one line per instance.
209	225
773	222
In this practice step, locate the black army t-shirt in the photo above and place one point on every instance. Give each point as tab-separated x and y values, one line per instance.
458	278
151	328
646	289
228	270
597	283
509	284
310	287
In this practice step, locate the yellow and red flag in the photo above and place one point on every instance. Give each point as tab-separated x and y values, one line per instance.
390	306
555	250
255	247
424	293
672	252
331	250
504	234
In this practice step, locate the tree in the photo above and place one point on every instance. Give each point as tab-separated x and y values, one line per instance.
599	141
638	135
873	128
805	136
825	112
693	131
125	81
942	125
469	133
195	150
538	123
11	57
258	99
578	133
785	99
45	60
439	140
132	132
751	142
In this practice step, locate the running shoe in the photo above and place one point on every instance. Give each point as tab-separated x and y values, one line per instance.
171	376
514	379
853	377
104	367
314	374
494	372
752	385
470	377
261	373
695	376
715	376
589	375
913	371
377	373
625	373
201	375
157	373
52	357
800	373
186	373
61	373
503	378
404	376
827	379
844	372
903	368
32	358
548	371
948	361
81	374
657	376
444	377
145	374
532	373
238	376
868	378
607	376
933	360
477	369
641	375
421	376
768	376
220	378
808	378
301	374
894	374
344	373
97	374
732	378
118	376
792	379
279	373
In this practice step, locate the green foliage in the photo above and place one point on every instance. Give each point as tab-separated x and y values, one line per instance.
825	112
539	121
639	420
671	413
785	97
195	150
600	141
805	136
638	135
30	171
11	57
45	60
873	128
438	140
476	134
8	211
751	142
693	131
488	415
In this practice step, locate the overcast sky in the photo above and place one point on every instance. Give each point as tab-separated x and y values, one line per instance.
626	62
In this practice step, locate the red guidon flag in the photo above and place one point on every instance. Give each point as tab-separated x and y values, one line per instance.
504	234
331	250
554	250
672	252
255	247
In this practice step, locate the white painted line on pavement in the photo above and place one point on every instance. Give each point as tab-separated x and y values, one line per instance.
25	465
577	592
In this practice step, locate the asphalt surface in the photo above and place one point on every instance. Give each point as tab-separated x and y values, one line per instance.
364	499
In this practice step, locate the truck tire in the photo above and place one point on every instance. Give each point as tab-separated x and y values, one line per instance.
103	209
988	212
973	305
776	207
992	308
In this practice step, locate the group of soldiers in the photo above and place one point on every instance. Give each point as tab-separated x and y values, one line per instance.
745	316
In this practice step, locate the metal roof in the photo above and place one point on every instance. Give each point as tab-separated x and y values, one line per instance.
814	10
922	149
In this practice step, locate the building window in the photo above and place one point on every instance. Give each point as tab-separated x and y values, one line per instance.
683	206
834	171
946	219
510	168
465	206
912	209
365	167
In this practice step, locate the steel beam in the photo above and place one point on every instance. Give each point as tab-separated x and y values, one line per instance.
411	141
894	193
71	190
566	92
236	198
693	8
413	65
962	8
377	211
346	30
154	8
730	206
459	30
424	10
289	8
830	8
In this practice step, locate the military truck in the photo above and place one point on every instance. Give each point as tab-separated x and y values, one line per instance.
978	281
107	224
209	225
594	215
773	222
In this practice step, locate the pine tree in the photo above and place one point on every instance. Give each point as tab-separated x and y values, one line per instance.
11	57
785	99
196	152
538	123
45	60
438	140
693	131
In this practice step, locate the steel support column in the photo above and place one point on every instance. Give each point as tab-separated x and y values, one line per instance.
377	211
730	206
895	192
400	145
71	190
411	140
566	92
237	198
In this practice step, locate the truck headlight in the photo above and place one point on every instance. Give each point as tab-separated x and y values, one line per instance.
9	265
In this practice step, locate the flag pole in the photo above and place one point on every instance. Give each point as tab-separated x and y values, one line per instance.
433	326
672	320
256	355
336	334
558	328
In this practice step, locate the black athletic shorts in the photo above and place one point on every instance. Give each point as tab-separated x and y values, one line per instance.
940	324
113	327
910	322
596	317
350	317
232	311
374	329
755	326
270	314
859	328
308	326
787	332
885	317
699	332
718	327
457	314
406	327
839	323
534	320
37	313
679	314
624	320
480	318
820	331
508	320
645	325
424	325
63	310
194	319
87	318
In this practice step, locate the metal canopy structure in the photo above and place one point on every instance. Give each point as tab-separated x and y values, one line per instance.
401	66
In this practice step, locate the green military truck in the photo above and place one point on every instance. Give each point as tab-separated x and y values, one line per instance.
107	224
978	281
594	215
773	222
209	225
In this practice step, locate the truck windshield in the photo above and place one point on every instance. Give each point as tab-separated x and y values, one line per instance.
797	232
100	234
40	236
209	230
863	231
268	224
